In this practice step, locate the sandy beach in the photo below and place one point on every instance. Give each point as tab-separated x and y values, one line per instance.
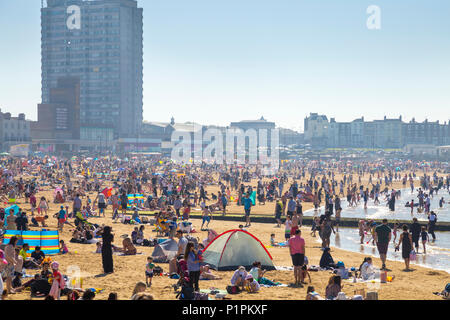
418	284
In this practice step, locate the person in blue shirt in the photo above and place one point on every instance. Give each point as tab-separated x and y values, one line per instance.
224	203
247	207
191	256
62	216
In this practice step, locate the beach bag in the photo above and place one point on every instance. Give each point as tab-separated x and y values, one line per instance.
412	256
157	270
233	289
200	296
186	293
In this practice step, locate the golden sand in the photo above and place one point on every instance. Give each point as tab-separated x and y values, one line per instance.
128	270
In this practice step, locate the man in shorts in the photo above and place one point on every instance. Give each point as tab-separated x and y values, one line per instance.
297	250
382	237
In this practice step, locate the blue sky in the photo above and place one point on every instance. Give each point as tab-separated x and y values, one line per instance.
215	62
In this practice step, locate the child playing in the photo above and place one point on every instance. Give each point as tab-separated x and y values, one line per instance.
273	243
58	282
315	223
62	247
395	230
149	271
207	215
304	273
99	248
287	228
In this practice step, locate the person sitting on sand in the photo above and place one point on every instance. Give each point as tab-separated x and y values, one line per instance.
142	296
206	274
238	278
38	255
311	294
59	198
273	243
326	261
62	247
251	285
138	288
134	235
366	268
333	288
257	272
99	247
128	248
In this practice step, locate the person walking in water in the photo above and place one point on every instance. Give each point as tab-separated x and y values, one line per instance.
406	243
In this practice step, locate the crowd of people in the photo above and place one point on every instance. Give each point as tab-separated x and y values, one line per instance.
172	191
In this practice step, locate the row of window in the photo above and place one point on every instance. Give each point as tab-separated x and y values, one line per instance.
49	48
73	42
13	125
60	24
97	31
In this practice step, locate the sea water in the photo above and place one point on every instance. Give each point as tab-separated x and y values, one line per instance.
401	212
437	256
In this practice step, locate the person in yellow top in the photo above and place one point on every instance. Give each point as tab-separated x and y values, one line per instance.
28	263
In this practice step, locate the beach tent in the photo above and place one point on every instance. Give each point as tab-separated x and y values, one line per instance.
14	210
165	251
236	248
46	239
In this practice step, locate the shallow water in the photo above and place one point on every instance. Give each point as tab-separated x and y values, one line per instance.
437	256
401	212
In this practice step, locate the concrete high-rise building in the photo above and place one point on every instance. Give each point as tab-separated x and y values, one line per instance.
101	43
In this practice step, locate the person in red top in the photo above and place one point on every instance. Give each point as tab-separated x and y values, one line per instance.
33	203
297	250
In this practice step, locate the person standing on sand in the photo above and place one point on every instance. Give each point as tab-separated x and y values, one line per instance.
382	237
294	226
76	205
247	208
297	251
107	259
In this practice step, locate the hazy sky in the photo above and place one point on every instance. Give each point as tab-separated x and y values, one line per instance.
215	62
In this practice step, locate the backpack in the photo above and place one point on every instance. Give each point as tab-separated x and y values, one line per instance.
233	289
157	270
186	293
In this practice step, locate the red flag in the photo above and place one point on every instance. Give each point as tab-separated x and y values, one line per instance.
107	192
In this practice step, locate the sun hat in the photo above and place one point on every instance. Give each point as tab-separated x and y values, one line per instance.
55	265
248	277
340	264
